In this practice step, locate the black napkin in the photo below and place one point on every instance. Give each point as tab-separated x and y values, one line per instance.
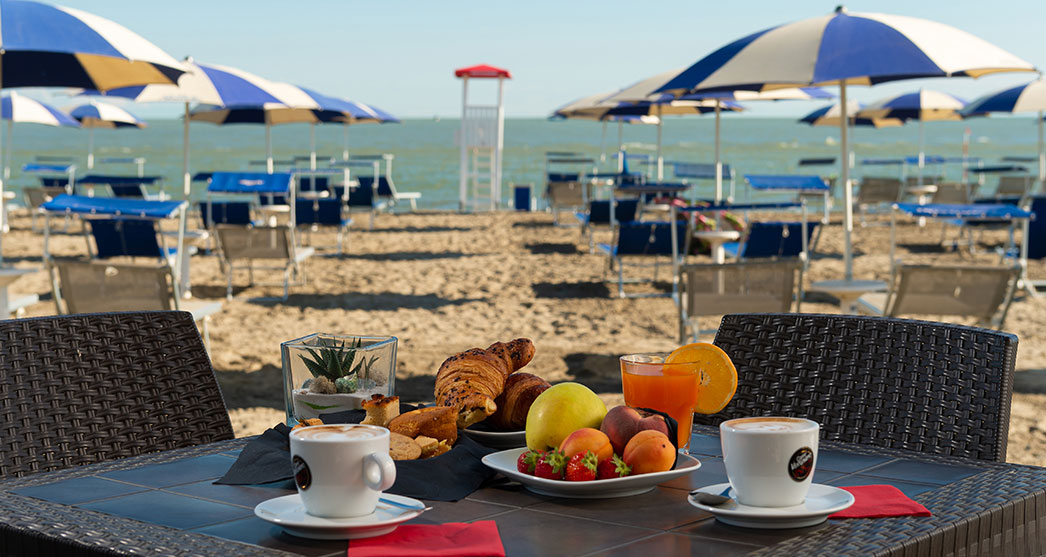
448	477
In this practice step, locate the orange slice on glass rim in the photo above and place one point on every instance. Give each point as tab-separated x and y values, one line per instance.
718	375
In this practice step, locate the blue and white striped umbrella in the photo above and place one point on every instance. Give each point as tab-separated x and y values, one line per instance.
830	116
49	46
844	49
24	110
299	105
923	105
102	115
1030	97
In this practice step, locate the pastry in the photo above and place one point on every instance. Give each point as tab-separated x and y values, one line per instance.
428	445
381	410
402	447
438	422
307	423
514	401
471	380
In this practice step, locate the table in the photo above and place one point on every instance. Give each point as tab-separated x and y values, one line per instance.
7	304
716	239
979	507
848	291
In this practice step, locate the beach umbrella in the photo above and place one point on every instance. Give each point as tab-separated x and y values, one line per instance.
844	49
1030	97
299	105
24	110
923	105
102	115
50	46
649	90
346	112
830	116
209	84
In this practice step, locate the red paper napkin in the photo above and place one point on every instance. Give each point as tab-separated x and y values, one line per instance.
880	501
453	539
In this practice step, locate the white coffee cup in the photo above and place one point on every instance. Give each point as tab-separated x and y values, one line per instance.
769	460
341	469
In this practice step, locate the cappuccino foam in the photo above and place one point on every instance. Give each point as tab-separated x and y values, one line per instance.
336	433
769	425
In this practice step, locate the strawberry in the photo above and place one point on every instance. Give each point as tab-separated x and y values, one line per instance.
612	467
582	467
550	465
526	461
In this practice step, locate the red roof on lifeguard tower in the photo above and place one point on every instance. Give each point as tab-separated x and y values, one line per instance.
482	70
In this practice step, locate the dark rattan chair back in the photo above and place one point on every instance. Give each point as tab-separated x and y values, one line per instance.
918	385
87	388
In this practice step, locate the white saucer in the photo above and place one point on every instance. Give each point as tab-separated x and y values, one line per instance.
289	513
821	501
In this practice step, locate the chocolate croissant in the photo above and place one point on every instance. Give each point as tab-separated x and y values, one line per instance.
471	380
515	400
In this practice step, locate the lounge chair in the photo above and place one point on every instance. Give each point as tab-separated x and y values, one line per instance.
933	388
805	186
642	240
565	191
36	196
313	213
1036	242
773	240
1011	189
598	214
983	293
224	212
129	237
241	246
134	187
748	286
953	193
365	198
875	192
91	388
86	286
387	191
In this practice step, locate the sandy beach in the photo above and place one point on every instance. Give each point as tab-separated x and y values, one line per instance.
443	282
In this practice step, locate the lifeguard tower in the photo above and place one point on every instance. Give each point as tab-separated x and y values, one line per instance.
481	138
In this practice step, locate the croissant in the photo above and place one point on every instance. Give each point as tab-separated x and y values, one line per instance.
471	380
434	421
514	401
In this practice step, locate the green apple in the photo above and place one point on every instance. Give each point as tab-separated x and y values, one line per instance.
561	410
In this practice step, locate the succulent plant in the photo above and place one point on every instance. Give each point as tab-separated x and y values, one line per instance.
340	363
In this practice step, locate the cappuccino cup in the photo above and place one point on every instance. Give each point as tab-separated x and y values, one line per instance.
769	460
340	470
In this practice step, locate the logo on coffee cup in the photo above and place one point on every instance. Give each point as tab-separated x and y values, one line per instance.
302	475
801	464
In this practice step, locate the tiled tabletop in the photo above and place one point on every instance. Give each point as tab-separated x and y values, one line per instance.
178	495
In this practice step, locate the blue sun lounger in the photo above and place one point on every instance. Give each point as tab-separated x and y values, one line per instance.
803	185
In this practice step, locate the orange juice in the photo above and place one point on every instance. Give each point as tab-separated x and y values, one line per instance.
670	388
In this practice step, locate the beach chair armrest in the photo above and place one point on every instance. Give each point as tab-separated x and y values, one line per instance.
303	253
199	309
408	195
607	249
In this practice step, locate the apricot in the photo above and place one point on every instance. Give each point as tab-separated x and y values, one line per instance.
587	439
623	422
649	451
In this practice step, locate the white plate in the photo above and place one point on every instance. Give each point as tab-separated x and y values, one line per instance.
498	439
821	501
505	462
289	512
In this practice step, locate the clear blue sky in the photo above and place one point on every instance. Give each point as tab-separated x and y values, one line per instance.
399	55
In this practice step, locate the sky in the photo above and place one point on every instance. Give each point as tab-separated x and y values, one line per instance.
400	55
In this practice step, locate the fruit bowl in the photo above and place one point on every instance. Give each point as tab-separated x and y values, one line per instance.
505	462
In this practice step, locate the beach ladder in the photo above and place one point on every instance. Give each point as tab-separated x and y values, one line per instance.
482	177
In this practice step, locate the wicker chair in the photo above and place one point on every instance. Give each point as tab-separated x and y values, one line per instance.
87	388
917	385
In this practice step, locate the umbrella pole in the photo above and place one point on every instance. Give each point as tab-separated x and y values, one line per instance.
7	154
620	145
718	162
90	148
660	160
268	147
922	156
848	210
186	178
312	146
345	152
603	144
2	208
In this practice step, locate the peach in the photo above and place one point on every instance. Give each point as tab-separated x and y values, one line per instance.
649	451
623	422
587	439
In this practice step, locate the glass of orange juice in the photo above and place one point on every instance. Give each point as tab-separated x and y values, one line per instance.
648	382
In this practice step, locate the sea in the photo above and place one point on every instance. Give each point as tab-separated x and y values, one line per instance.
426	156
